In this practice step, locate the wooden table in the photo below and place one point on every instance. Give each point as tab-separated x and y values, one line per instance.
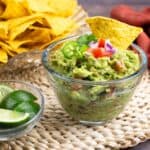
103	7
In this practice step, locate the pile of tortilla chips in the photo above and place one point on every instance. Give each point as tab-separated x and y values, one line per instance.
120	34
33	24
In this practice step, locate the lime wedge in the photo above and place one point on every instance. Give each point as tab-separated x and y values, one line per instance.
16	97
30	107
4	90
10	117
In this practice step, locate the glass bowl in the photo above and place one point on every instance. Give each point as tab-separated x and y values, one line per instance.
92	102
18	131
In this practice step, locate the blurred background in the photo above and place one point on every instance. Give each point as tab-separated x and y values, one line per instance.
103	7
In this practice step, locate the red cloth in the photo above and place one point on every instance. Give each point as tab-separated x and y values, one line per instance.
139	18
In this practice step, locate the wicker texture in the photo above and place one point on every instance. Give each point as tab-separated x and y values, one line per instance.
56	130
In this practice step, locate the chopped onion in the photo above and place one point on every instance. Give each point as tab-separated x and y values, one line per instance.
93	44
109	47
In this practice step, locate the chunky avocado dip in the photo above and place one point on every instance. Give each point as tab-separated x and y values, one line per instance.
96	60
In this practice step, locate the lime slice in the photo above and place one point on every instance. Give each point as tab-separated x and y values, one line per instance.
16	97
30	107
10	117
4	90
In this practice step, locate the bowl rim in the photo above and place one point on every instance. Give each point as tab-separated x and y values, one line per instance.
143	65
35	118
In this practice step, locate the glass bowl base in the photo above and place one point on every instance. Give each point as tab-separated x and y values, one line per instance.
92	123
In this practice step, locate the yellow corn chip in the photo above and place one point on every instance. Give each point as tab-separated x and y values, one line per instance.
7	48
61	8
120	34
15	44
3	56
13	9
16	29
3	30
13	23
20	50
59	25
4	46
36	34
2	8
33	24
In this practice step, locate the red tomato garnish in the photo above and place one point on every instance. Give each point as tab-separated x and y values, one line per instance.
101	43
107	54
99	52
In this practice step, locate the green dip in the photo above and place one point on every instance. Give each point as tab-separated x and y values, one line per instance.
87	59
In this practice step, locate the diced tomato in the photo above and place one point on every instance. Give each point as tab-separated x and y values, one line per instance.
107	54
101	43
99	52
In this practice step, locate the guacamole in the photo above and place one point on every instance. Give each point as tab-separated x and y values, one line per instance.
91	59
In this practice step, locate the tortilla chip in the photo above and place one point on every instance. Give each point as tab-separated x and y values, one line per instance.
2	8
15	44
59	25
3	30
33	24
19	50
13	23
61	8
35	34
16	29
7	48
120	34
4	46
3	56
13	9
10	50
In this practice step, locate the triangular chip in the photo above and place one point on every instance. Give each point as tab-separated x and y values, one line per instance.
120	34
37	33
2	7
13	23
3	30
7	48
16	29
3	56
20	50
15	44
33	24
13	9
4	46
60	8
58	24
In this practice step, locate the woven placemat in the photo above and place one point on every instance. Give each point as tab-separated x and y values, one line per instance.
56	130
